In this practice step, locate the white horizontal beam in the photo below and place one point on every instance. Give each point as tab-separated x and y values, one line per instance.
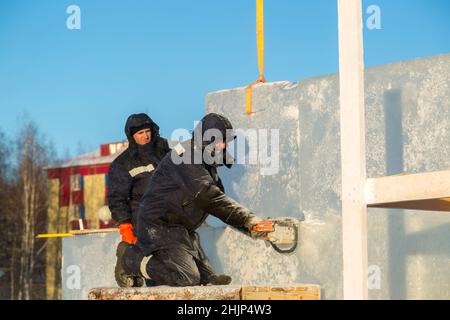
425	191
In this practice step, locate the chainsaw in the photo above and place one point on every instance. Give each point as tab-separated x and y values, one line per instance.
281	233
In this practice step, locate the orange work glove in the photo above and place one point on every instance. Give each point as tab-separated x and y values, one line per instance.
126	231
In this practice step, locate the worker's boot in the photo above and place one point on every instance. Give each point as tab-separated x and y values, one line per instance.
125	278
207	274
219	279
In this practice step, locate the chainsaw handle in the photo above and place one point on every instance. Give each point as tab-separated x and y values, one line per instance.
263	226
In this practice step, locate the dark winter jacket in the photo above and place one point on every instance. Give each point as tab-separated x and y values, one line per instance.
131	171
179	198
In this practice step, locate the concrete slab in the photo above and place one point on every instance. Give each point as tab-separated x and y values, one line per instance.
167	293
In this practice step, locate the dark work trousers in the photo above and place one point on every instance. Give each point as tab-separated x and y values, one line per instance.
176	267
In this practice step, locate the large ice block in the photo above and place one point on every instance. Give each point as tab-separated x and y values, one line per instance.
407	130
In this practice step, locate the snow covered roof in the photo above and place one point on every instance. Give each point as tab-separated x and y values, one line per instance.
90	158
105	154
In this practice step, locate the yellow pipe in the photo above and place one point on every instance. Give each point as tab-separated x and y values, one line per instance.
54	235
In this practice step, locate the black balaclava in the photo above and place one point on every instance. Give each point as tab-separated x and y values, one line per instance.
135	123
220	123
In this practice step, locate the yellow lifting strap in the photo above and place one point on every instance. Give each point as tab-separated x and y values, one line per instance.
260	48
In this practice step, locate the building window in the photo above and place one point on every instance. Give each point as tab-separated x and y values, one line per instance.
75	182
77	212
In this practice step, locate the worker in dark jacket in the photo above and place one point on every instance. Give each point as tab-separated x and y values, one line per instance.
183	191
131	171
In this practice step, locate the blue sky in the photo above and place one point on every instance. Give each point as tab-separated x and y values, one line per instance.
164	56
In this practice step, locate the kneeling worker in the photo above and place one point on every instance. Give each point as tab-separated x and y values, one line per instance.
183	191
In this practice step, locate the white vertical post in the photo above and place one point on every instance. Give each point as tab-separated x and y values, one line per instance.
353	156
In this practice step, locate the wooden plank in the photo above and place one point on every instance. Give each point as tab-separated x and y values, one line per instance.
301	292
353	157
421	191
296	292
91	231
